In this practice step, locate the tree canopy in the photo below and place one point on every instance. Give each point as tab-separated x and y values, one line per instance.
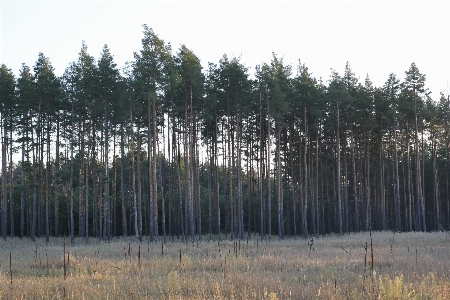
164	147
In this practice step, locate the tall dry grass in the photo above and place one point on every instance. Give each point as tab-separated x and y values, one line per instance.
405	266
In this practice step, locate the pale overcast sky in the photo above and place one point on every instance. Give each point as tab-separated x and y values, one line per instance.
376	38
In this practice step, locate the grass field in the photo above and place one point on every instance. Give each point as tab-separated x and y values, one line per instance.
405	266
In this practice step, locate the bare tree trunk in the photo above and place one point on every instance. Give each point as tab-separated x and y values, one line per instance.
150	145
338	170
279	182
42	202
70	188
81	197
301	186
411	209
47	190
437	210
316	227
261	169
11	179
161	183
86	194
122	183
311	185
368	216
191	165
97	187
216	181
198	207
171	187
57	179
34	209
239	180
396	183
22	193
250	176
355	190
419	192
345	192
154	180
269	208
139	184
4	181
133	182
180	197
135	212
106	199
210	175
230	178
382	196
294	186
305	184
112	221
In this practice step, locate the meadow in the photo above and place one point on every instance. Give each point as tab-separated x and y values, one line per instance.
381	265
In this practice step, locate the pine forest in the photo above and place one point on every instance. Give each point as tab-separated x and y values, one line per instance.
163	148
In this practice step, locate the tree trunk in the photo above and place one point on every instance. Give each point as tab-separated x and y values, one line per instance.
338	170
34	183
4	181
11	198
437	210
316	183
355	190
261	171
122	183
216	181
57	179
47	190
161	183
70	188
398	219
382	195
198	207
155	186
135	212
106	198
294	186
82	188
239	180
139	185
133	183
269	208
411	208
112	222
190	168
279	183
420	197
210	175
22	193
305	184
368	217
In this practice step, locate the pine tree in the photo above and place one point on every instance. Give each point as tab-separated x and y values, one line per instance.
189	68
149	71
7	96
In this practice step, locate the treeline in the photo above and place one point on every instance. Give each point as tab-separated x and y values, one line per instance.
163	148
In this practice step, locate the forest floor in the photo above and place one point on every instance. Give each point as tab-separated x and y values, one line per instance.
405	265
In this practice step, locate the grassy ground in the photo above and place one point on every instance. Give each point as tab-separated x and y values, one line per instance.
405	266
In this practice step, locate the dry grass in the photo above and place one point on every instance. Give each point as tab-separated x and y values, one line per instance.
406	266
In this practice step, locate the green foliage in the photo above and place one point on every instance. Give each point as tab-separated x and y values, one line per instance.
214	117
7	95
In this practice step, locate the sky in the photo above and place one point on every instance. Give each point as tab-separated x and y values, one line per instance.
376	38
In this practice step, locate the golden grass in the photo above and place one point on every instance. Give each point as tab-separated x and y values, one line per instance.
406	266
